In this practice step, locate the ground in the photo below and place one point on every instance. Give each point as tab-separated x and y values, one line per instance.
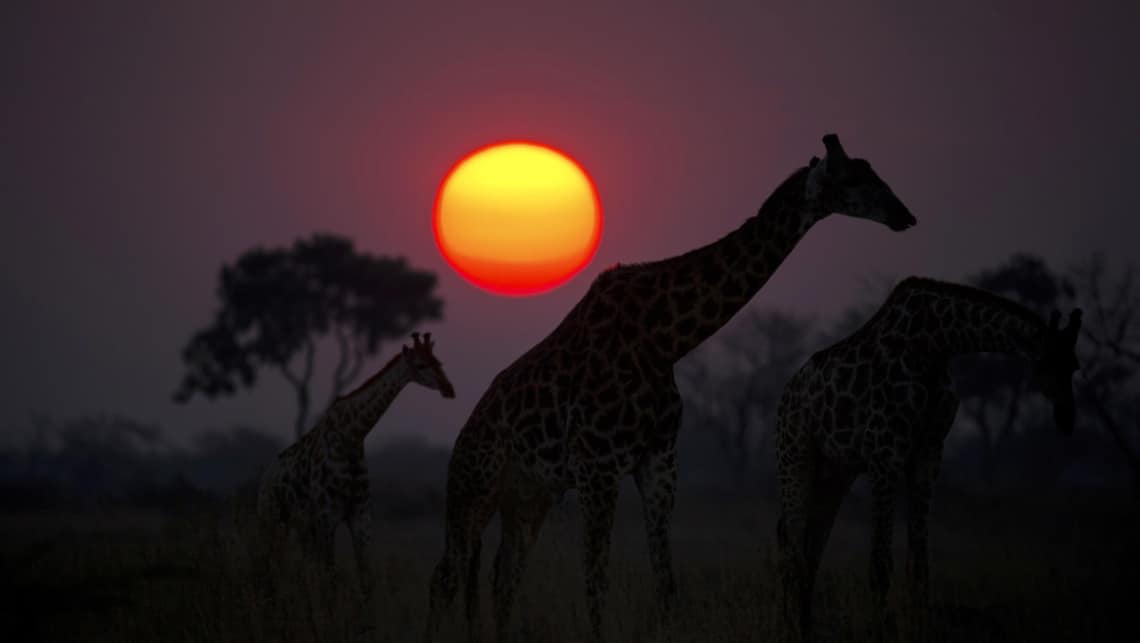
1009	570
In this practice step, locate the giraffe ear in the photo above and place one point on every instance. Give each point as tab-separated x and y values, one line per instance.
816	178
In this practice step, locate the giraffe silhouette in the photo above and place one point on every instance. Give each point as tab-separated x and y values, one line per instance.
321	480
596	399
881	402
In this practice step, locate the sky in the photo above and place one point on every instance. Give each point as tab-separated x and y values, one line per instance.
144	144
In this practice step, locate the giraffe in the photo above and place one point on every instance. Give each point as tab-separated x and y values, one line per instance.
880	402
322	480
596	399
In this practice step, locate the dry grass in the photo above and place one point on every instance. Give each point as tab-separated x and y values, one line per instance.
1001	572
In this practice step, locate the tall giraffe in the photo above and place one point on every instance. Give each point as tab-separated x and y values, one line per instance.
596	399
881	402
322	479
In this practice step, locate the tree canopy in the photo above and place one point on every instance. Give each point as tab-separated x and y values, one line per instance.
276	303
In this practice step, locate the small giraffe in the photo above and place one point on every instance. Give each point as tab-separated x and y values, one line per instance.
596	399
322	479
881	402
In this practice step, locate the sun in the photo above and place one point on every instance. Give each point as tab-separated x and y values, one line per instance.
517	218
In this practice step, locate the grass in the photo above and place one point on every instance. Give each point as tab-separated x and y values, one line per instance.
1001	571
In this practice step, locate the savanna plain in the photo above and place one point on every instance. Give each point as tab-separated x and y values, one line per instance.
1054	567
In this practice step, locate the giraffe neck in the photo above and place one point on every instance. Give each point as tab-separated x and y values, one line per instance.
701	290
358	411
960	320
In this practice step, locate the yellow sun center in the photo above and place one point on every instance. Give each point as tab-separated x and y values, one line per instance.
517	218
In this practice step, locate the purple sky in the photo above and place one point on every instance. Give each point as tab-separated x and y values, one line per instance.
143	145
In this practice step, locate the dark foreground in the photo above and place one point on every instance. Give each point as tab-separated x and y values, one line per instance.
1009	570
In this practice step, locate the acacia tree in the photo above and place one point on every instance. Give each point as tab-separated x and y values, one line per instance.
278	303
1109	383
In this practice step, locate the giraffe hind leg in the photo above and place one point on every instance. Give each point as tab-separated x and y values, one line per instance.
884	478
471	590
468	512
598	502
523	510
796	463
656	478
827	492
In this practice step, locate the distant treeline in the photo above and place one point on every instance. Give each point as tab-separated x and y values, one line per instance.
112	461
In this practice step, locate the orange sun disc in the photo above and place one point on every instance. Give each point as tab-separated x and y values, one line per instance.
517	218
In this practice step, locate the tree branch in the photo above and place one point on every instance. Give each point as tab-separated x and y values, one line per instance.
339	379
357	362
309	351
301	386
1011	413
293	379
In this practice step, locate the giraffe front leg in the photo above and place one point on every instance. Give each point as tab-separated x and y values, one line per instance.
360	526
598	499
523	512
320	537
918	557
791	539
466	517
656	478
920	489
796	472
883	489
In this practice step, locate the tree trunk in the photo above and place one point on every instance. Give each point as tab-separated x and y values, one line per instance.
302	420
985	433
1011	414
1131	457
301	388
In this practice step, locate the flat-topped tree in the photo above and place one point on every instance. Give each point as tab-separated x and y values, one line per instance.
596	399
278	303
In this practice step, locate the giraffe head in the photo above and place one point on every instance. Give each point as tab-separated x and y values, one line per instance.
843	185
426	369
1054	367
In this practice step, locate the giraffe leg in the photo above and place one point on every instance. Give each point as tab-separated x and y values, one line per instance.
321	537
523	510
827	492
471	604
598	499
884	481
920	486
796	473
360	526
918	508
917	566
922	476
656	478
467	516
